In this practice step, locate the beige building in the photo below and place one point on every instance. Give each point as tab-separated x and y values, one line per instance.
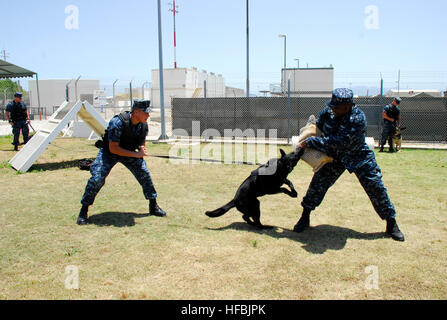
308	82
189	83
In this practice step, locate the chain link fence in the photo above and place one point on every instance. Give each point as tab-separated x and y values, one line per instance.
425	117
34	113
107	112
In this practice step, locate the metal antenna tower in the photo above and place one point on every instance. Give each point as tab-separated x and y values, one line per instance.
174	10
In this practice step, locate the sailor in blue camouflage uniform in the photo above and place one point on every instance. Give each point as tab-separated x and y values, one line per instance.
344	127
18	117
391	121
124	141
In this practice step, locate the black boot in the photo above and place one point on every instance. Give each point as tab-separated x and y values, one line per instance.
83	217
391	144
155	210
16	148
393	230
304	221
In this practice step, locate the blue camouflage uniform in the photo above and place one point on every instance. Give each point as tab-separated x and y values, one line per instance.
344	140
106	160
18	115
389	128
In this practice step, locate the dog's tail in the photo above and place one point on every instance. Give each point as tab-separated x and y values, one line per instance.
220	211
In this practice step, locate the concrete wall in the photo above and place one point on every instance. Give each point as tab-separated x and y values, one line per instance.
231	92
52	91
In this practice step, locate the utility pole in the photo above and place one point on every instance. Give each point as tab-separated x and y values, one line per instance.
163	135
381	104
130	94
289	111
174	11
248	47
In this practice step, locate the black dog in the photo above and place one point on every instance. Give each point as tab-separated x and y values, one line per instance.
267	179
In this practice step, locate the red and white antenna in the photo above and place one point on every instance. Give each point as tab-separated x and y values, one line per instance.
4	55
174	11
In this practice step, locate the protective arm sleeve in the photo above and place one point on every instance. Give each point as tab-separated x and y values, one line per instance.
344	138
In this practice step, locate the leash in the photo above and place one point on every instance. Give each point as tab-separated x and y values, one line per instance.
29	123
206	160
66	149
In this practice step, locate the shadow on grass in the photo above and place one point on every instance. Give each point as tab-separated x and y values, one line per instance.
116	219
6	143
315	239
52	166
7	148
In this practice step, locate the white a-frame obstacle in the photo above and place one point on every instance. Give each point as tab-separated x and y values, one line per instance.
23	160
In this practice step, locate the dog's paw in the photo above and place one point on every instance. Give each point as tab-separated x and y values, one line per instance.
294	194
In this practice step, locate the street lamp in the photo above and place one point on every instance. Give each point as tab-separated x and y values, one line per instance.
76	88
67	98
113	86
282	73
285	41
142	88
298	62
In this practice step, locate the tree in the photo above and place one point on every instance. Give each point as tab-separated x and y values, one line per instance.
11	87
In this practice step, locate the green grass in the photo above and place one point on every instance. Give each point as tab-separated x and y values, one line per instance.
126	254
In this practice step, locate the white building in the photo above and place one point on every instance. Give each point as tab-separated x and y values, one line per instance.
406	93
187	83
308	82
52	91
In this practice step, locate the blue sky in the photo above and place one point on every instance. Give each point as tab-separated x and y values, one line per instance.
118	39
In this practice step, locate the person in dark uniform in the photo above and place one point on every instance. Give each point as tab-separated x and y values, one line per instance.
343	125
18	117
124	141
391	121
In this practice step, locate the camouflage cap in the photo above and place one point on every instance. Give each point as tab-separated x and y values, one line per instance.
340	96
144	105
398	99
